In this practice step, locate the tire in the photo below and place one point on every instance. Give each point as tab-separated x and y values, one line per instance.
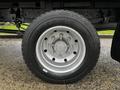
61	23
115	48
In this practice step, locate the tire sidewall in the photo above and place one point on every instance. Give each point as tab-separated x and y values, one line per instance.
76	24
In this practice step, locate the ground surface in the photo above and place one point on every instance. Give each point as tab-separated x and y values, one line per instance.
14	74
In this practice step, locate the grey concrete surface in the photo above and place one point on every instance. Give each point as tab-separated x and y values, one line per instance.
14	75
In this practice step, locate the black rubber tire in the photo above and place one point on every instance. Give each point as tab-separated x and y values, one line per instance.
67	18
115	49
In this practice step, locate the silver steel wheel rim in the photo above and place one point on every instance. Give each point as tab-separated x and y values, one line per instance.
60	50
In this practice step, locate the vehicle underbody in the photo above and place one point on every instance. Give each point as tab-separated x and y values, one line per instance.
104	15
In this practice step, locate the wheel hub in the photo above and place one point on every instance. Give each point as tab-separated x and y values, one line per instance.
60	50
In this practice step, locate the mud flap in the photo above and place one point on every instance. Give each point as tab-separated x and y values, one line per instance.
115	49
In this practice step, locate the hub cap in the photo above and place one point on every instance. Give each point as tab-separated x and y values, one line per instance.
60	50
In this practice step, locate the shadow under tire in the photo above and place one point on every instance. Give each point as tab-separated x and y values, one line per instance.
61	47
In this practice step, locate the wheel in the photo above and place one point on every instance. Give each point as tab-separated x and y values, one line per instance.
115	49
61	47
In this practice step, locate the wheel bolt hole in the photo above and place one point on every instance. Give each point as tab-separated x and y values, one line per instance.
68	32
76	40
65	60
55	31
45	50
45	39
53	59
74	52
